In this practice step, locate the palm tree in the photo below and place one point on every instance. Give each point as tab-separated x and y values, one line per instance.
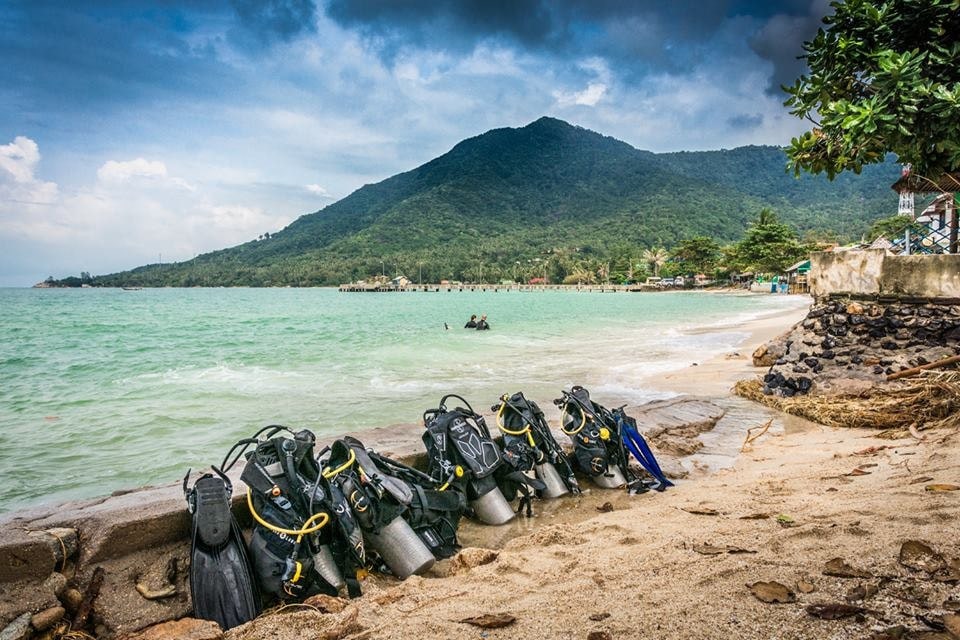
656	256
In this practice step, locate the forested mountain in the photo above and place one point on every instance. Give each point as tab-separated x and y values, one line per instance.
541	198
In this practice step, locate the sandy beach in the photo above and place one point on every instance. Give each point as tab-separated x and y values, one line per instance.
679	564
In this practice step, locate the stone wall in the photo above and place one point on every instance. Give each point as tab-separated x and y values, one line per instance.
844	341
872	272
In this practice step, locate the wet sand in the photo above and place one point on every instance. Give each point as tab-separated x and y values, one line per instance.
677	564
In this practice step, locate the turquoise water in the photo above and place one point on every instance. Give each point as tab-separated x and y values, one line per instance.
104	389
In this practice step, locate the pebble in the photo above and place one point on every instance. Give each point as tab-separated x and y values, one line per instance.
47	618
19	629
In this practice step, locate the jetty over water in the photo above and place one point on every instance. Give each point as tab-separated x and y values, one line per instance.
448	287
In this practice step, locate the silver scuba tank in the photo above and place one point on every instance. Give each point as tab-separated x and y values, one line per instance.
612	479
549	475
493	508
326	566
401	548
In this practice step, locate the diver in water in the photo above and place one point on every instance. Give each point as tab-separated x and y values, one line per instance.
482	324
471	323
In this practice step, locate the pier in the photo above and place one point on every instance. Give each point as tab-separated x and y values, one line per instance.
448	287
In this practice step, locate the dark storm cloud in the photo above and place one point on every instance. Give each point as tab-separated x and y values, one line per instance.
781	39
673	36
94	57
275	20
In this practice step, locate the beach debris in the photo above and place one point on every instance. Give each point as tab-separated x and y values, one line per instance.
47	618
326	604
906	373
606	507
890	633
755	516
872	450
597	617
862	592
859	471
921	479
951	604
951	622
942	487
772	592
751	437
18	628
786	521
926	403
805	587
834	611
700	511
91	593
838	568
713	550
599	635
156	594
916	555
953	572
490	620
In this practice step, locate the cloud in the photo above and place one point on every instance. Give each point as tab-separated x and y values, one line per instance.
116	172
270	21
588	97
780	41
19	189
116	221
318	190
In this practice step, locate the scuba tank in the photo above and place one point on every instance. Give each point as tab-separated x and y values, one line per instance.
463	457
597	448
602	437
529	444
379	502
305	539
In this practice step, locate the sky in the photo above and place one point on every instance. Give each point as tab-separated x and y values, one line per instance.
135	132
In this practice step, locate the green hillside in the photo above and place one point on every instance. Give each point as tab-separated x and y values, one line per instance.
515	201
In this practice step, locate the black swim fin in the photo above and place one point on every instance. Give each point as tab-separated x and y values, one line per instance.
222	584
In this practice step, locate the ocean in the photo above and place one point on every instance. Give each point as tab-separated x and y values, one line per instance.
106	389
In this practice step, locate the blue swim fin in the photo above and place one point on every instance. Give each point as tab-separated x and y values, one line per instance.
641	451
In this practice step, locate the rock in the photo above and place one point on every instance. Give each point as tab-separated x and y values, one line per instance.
71	599
854	308
19	629
767	354
47	618
183	629
55	584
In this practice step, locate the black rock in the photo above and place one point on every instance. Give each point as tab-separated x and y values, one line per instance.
889	345
811	362
800	369
857	319
878	369
828	343
886	362
856	359
804	384
922	361
829	355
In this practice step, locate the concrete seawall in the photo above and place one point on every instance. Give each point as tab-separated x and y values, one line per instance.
874	273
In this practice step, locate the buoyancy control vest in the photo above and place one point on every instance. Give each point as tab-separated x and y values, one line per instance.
462	455
598	450
305	537
381	491
529	445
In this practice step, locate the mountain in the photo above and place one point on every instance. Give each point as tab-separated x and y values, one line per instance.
509	199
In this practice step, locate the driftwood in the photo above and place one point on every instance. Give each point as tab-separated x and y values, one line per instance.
86	606
906	373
